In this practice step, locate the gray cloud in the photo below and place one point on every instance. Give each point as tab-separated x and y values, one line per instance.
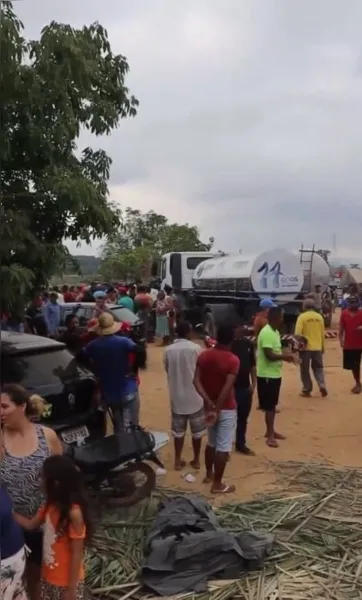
250	117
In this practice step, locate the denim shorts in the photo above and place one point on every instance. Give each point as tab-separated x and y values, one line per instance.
221	435
197	424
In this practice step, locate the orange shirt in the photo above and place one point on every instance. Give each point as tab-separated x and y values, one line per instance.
259	322
57	548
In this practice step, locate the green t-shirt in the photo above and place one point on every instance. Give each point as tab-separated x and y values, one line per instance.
269	369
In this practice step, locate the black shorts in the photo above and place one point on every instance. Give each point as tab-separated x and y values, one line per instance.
34	541
268	392
352	359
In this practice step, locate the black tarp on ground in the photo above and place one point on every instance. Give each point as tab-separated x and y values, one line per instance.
186	548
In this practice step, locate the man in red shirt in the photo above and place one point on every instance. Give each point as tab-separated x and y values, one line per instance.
216	371
68	294
350	335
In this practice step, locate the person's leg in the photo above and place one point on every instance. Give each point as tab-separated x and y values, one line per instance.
269	390
178	428
352	362
269	412
118	418
305	358
210	454
356	371
244	402
269	426
198	430
275	387
225	431
34	542
318	371
132	411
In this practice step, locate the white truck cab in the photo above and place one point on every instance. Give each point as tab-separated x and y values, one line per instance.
177	268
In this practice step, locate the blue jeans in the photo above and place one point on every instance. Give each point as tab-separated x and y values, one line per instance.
221	435
126	413
243	401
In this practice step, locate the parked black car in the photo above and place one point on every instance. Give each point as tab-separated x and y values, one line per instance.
84	312
45	367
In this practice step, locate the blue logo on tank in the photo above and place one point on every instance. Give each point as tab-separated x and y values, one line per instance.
274	273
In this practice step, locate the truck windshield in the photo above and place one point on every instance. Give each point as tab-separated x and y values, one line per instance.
194	261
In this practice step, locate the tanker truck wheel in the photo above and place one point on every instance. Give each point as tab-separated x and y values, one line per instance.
209	325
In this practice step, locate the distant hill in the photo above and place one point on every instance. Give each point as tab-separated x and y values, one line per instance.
88	265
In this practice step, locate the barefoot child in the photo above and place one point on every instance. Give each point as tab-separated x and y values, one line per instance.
66	526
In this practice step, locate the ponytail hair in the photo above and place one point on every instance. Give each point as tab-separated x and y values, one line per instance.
34	404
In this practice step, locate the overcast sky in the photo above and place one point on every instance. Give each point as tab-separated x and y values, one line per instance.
250	118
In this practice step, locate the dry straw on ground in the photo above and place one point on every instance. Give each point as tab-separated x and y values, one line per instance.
317	520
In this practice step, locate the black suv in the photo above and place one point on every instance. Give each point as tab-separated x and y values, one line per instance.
45	367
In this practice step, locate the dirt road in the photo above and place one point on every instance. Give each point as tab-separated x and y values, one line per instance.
328	429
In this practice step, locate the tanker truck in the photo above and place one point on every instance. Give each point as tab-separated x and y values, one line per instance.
224	287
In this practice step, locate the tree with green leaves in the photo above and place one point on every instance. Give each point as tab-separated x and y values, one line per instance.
52	89
142	239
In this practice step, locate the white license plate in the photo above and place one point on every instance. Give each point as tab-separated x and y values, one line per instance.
75	435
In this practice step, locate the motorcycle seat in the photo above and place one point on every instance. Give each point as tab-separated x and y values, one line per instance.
103	455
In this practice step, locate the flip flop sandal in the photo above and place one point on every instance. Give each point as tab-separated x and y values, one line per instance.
227	489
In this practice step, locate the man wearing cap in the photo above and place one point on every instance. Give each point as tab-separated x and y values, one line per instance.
100	298
261	318
109	355
310	327
350	336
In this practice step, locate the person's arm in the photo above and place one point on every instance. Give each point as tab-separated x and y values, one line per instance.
54	443
257	326
299	326
341	330
77	536
322	333
201	390
274	357
30	524
267	347
252	367
229	382
165	361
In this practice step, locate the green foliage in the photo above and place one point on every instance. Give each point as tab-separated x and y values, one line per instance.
52	89
142	239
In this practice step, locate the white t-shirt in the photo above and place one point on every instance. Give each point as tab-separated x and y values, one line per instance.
180	363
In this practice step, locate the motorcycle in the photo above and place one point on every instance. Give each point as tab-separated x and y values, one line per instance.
113	465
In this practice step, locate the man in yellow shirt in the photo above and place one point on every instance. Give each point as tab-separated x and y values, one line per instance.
310	326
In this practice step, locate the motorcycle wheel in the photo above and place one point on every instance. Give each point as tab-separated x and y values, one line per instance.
131	485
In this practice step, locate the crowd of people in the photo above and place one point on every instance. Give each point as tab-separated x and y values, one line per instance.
212	389
43	315
43	507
